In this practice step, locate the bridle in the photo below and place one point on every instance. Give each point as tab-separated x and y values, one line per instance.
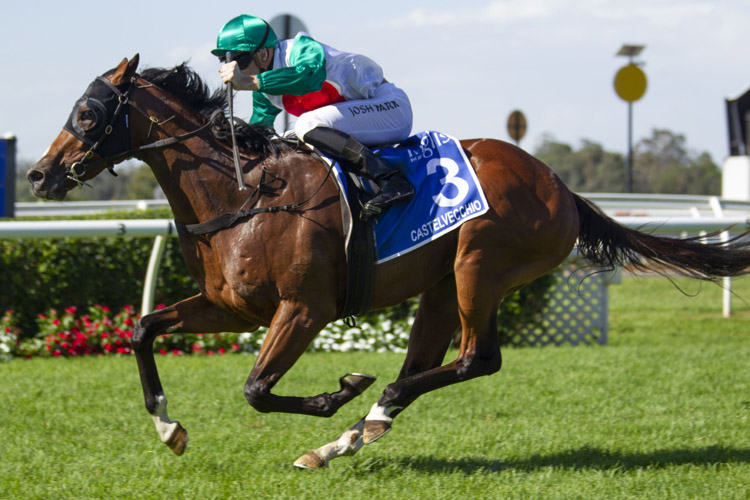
111	105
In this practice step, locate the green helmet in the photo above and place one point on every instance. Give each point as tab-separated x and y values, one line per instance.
244	34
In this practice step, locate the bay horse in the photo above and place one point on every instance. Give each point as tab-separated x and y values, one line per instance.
284	266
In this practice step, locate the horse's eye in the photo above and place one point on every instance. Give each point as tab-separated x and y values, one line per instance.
87	115
87	120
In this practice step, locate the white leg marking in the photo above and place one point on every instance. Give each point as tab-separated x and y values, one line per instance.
380	413
347	444
165	427
351	440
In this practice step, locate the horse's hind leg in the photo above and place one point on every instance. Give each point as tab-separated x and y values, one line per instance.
434	325
479	291
193	315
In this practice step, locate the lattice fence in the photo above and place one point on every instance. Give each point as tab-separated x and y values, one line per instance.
576	312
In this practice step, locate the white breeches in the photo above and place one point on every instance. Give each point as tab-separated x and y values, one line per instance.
386	118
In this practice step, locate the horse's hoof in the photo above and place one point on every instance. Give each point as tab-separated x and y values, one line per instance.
357	381
374	430
310	461
177	442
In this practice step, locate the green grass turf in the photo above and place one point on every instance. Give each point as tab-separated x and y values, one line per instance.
661	412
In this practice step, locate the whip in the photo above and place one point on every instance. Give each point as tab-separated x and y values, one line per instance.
235	151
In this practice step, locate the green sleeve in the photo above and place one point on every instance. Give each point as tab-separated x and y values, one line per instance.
264	112
306	72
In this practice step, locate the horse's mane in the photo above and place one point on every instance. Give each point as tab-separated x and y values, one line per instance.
185	84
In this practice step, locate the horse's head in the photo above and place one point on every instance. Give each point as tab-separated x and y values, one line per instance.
95	136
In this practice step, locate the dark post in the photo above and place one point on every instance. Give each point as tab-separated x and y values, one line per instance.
630	85
287	34
629	173
7	176
286	26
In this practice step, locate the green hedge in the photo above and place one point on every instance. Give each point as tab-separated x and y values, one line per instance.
43	273
58	273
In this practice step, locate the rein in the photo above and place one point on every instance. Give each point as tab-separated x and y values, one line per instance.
123	98
227	220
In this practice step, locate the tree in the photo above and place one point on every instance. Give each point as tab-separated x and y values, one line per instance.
142	185
590	169
662	163
23	188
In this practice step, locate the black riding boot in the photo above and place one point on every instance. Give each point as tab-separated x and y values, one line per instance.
393	186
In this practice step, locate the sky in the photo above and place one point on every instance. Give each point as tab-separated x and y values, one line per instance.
465	65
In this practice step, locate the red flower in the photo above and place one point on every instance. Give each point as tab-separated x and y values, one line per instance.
196	348
162	351
222	350
71	310
210	353
56	353
56	322
235	347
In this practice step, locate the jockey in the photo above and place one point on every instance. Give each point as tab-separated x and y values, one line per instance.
341	99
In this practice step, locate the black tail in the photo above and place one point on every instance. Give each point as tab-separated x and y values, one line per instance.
603	241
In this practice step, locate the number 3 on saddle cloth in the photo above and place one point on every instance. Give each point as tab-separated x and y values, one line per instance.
447	195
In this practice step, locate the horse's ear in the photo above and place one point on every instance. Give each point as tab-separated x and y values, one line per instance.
125	70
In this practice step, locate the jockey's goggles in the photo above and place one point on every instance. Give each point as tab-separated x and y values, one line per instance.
243	59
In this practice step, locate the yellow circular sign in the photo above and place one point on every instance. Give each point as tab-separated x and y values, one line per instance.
630	83
517	125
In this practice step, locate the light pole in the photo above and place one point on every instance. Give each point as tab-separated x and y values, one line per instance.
630	85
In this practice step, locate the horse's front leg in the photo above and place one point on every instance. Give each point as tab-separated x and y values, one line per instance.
292	329
193	315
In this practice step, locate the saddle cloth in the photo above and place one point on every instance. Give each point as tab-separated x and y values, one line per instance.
447	194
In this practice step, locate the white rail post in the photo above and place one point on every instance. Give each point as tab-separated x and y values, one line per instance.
727	288
149	284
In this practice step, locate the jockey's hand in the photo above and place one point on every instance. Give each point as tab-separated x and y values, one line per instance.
230	72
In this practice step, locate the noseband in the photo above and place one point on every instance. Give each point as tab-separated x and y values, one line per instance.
110	106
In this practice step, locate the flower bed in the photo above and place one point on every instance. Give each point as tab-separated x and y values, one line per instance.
99	331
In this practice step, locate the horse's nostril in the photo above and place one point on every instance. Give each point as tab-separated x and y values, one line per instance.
34	176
